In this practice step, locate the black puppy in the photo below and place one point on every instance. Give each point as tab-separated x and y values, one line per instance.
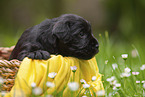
67	35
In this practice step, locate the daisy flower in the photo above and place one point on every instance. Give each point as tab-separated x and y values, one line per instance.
52	75
73	86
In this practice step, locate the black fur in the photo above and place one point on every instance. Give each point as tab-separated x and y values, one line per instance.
67	35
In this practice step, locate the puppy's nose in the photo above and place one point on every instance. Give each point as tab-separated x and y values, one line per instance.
95	47
95	44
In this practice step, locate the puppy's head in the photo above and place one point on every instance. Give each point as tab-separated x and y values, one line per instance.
74	37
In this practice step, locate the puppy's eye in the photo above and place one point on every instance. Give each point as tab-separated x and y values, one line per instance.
81	33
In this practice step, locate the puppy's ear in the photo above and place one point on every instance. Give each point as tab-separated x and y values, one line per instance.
62	30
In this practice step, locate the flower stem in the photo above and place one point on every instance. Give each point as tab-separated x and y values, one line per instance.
125	63
73	76
79	92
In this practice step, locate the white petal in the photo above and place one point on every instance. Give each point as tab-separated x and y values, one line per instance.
124	55
137	81
33	84
114	66
50	84
86	86
83	81
73	86
144	85
52	74
37	91
106	61
73	67
94	78
100	93
127	69
110	79
118	85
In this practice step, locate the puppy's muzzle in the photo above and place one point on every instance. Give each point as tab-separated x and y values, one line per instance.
94	43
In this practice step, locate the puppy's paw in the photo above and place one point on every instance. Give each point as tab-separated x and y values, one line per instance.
39	54
21	56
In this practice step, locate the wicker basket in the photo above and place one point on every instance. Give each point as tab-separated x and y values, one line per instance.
8	69
5	52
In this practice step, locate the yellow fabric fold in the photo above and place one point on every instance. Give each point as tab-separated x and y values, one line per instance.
37	71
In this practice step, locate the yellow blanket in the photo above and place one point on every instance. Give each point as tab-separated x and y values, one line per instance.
36	71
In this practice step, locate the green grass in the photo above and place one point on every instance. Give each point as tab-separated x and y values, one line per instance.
112	53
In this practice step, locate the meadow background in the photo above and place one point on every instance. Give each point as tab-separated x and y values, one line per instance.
119	25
